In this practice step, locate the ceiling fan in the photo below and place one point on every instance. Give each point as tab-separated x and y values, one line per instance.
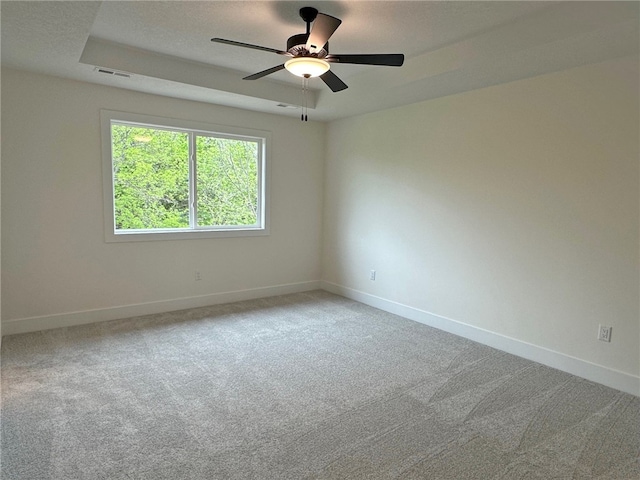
309	52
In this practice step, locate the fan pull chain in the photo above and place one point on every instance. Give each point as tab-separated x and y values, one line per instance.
306	99
305	92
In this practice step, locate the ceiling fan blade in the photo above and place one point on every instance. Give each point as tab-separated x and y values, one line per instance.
389	60
264	73
333	82
248	45
323	27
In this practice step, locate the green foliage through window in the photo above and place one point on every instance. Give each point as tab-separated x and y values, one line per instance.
227	181
154	179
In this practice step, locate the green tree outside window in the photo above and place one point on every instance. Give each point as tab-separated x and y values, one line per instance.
152	172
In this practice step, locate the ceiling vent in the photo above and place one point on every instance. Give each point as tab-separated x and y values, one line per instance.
115	73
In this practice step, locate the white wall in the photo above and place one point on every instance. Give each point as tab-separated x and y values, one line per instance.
54	257
512	209
0	233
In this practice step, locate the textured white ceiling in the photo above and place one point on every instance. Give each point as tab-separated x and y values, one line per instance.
449	47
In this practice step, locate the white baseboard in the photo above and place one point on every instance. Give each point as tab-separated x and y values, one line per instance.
575	366
46	322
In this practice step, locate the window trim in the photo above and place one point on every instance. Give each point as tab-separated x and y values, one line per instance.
107	117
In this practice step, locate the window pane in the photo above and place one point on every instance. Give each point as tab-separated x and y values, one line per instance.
227	182
151	178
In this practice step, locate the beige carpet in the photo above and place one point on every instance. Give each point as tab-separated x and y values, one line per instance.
300	386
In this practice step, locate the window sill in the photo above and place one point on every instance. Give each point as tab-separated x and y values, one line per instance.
146	236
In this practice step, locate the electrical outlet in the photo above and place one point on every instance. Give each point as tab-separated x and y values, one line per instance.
604	333
198	276
372	275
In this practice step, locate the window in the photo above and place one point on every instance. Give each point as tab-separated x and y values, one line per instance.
171	179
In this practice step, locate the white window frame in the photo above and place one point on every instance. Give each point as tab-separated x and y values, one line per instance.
109	117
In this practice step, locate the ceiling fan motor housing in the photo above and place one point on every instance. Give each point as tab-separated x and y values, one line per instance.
297	46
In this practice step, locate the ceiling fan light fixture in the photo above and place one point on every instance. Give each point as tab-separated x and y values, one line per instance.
307	66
